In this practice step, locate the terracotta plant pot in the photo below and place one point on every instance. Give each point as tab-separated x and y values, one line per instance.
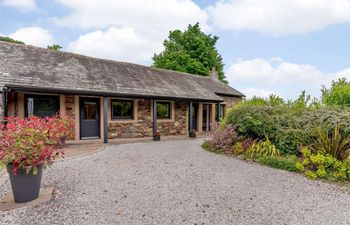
25	187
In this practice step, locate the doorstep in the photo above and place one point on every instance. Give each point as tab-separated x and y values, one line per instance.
162	138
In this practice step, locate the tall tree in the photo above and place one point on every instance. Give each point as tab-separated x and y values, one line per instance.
337	94
191	51
54	47
8	39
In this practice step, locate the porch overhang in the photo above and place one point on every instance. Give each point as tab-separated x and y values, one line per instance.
33	89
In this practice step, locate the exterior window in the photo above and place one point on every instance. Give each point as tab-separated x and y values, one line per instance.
163	110
42	105
90	111
122	109
222	111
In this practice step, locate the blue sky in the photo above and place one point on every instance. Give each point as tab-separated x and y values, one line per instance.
269	46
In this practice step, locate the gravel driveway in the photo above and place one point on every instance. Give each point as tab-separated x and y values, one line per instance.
176	182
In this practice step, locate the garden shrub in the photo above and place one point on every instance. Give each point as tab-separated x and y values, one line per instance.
238	149
285	163
321	165
241	147
288	139
262	149
337	94
287	126
206	145
334	144
254	121
223	138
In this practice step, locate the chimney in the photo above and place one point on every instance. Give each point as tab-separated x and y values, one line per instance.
213	74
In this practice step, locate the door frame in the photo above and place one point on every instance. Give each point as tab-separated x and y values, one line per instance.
98	101
206	107
195	110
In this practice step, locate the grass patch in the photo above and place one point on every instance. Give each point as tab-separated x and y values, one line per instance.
284	163
206	145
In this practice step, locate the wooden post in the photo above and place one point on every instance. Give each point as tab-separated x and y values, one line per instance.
190	127
191	133
219	109
156	134
105	120
208	123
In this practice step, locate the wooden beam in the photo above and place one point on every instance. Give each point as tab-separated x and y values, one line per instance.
219	113
190	127
154	111
208	123
105	120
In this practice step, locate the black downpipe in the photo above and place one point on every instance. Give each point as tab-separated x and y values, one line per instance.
105	120
5	91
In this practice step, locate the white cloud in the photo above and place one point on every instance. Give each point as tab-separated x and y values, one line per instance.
279	17
22	4
139	26
251	92
36	36
280	77
150	15
115	43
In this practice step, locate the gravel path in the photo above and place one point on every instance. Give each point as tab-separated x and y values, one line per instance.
176	182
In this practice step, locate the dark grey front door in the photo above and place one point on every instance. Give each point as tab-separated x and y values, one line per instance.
195	116
89	118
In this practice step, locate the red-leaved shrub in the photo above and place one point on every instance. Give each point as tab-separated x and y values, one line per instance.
31	142
223	137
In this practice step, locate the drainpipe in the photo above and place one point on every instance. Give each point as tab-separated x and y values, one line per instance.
105	120
5	92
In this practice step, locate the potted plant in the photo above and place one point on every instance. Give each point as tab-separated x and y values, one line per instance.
65	125
192	134
26	147
156	136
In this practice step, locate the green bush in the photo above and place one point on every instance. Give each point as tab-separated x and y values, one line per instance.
337	94
287	126
320	165
285	163
254	121
8	39
206	145
288	139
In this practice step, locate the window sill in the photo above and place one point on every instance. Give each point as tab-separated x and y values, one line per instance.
122	121
165	120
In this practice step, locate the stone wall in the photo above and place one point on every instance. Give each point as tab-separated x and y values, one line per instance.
178	126
231	101
143	126
70	109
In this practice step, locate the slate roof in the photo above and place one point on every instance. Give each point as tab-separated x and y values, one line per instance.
39	68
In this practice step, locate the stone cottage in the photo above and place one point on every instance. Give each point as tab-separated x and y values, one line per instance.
108	99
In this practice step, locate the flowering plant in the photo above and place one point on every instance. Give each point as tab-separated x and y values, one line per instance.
223	137
31	142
